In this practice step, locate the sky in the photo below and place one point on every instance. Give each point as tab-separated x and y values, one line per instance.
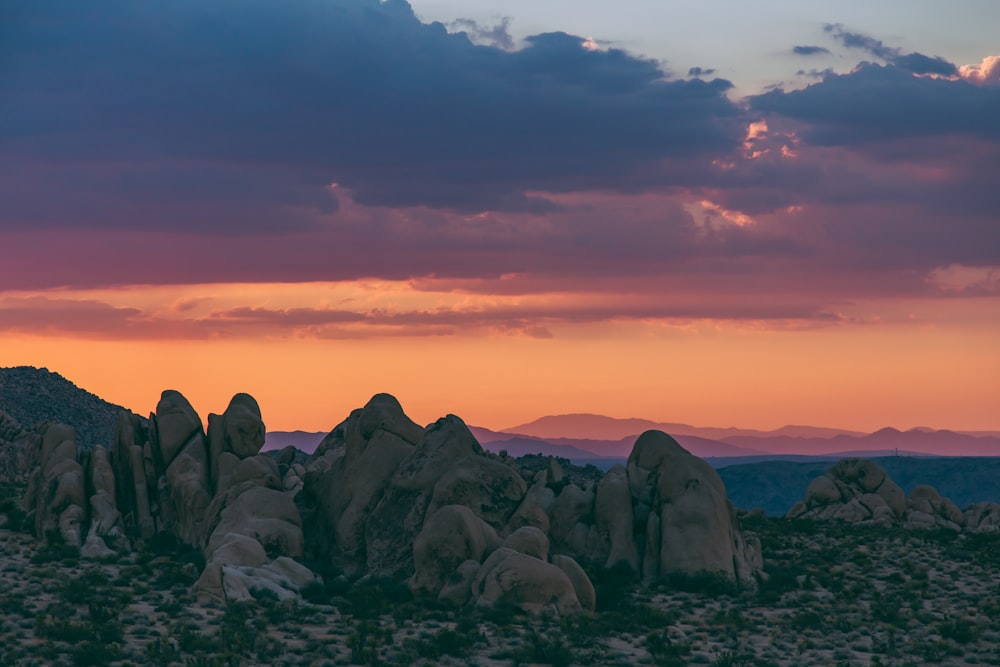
718	213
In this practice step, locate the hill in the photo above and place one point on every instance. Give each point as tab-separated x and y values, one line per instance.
31	395
777	485
305	441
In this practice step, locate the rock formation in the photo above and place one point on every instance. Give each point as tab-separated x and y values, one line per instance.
383	496
859	491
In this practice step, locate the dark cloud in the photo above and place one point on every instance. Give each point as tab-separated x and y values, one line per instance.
856	40
875	103
810	50
357	92
917	63
700	71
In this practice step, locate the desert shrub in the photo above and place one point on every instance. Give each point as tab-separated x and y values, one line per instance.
366	641
806	620
376	597
961	631
545	649
88	653
666	652
62	630
615	587
456	643
54	549
712	584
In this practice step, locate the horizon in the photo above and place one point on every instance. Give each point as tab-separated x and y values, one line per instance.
204	411
716	214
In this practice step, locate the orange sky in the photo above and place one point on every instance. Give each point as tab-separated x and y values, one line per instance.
933	363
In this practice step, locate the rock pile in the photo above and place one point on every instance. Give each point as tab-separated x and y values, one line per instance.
212	492
383	496
859	491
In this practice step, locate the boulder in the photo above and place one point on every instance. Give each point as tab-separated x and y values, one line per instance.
572	505
534	508
982	517
172	427
696	529
612	540
267	515
451	536
457	587
528	583
238	431
360	456
57	492
447	467
528	540
582	585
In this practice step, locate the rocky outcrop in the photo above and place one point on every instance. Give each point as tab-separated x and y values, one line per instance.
695	527
348	476
181	453
447	467
859	491
383	496
982	517
56	496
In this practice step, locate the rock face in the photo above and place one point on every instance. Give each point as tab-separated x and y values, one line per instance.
859	491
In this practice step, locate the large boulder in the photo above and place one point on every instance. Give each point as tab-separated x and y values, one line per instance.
56	494
172	427
451	536
447	467
982	517
695	519
179	450
350	474
105	519
267	515
611	541
238	431
528	583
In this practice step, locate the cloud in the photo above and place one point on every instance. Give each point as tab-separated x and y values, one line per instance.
875	103
495	35
187	102
810	50
856	40
700	71
985	73
917	63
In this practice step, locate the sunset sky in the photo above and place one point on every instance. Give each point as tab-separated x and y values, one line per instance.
719	213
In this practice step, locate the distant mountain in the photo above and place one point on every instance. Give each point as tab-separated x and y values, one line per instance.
518	447
600	427
777	485
32	395
577	449
917	441
306	441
